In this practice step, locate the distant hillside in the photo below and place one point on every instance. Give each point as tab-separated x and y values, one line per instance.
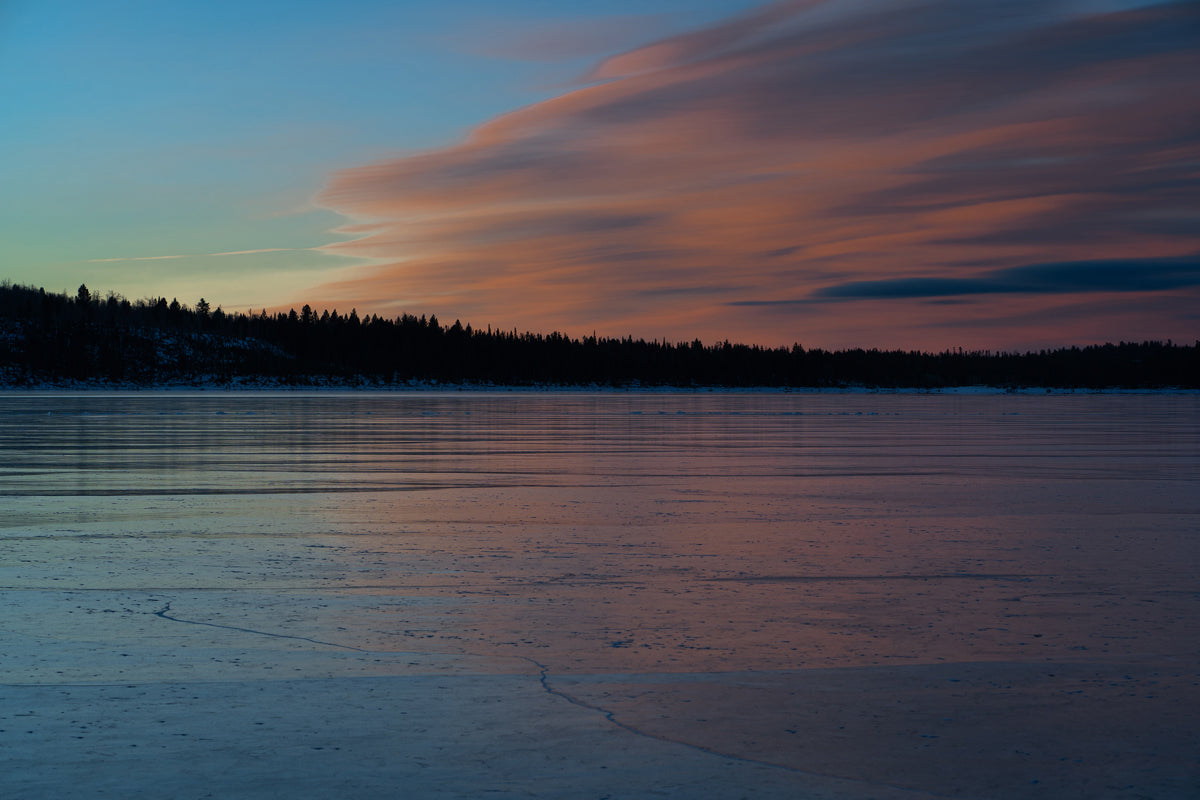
55	338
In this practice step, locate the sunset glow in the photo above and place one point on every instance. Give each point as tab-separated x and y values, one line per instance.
896	174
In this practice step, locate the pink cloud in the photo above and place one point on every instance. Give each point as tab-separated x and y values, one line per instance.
800	148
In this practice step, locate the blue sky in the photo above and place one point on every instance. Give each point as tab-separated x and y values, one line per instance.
143	129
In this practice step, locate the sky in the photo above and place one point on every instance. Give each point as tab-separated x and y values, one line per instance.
930	174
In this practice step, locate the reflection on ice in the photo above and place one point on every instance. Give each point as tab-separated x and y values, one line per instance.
696	531
630	550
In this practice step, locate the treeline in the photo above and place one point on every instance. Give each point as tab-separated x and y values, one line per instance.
52	337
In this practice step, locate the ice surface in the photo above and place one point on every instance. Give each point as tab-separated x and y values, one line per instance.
693	595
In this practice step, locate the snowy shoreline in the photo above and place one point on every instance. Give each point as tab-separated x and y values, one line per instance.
433	387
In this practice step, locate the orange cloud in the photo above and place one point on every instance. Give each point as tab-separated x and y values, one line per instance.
725	183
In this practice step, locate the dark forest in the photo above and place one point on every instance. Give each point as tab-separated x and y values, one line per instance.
61	339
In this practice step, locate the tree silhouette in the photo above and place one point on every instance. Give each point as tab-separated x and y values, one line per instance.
47	336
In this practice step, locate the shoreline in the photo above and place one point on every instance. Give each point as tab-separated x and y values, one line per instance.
435	387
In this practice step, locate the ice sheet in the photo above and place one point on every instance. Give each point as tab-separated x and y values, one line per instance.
698	594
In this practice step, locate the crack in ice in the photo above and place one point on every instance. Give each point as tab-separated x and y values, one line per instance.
544	678
162	613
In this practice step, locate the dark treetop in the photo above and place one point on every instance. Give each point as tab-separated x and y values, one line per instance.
56	338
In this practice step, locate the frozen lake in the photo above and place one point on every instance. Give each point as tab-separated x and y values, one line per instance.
587	595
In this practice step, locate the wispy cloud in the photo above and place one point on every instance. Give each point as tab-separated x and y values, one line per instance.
200	255
557	40
846	162
136	258
261	250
